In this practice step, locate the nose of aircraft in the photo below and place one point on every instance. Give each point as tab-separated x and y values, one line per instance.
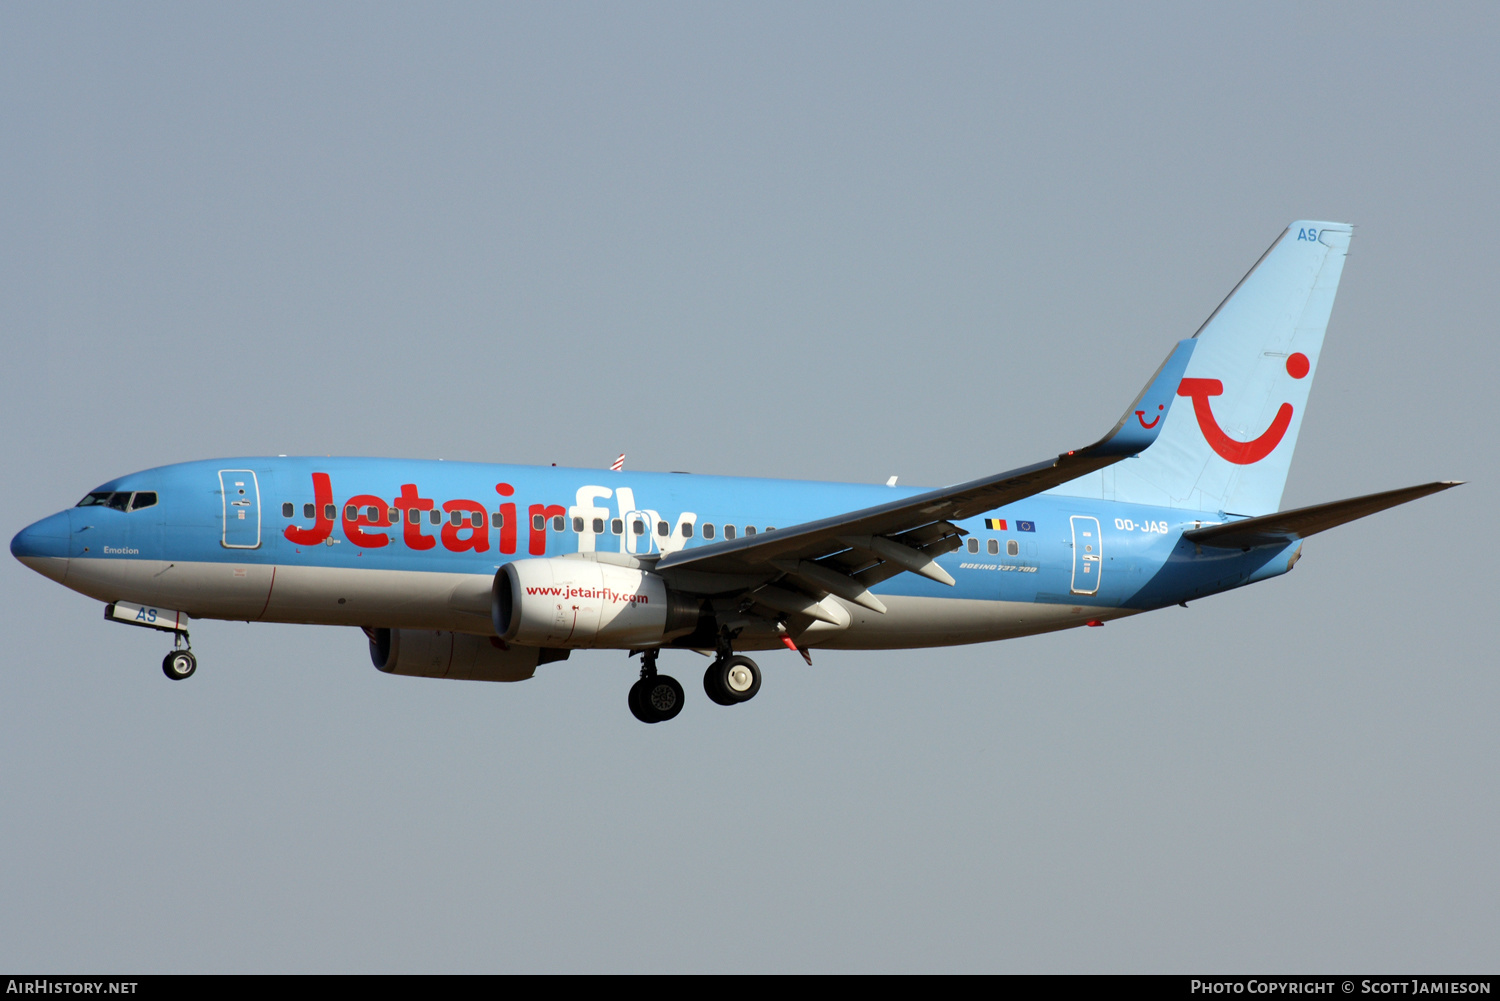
44	546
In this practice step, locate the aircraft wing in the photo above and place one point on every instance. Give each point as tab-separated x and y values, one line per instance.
847	553
1288	526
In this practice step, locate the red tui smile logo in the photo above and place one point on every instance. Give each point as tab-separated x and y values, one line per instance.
1140	415
1240	452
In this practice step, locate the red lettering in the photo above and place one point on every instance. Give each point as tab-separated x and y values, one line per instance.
323	528
539	535
507	519
362	505
411	522
479	537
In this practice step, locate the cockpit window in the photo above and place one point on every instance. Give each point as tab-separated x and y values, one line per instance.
119	499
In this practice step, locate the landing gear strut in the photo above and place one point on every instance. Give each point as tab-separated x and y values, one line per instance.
655	698
180	663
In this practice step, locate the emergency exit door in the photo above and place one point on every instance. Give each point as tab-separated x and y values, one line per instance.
241	493
1088	560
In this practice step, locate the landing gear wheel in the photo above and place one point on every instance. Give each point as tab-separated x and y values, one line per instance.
179	664
713	685
732	680
637	706
656	699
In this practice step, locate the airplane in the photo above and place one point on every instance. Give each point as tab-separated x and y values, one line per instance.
487	572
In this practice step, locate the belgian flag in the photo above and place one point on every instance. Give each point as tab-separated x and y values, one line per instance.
995	524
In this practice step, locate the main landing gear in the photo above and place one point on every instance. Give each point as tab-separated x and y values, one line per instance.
180	663
656	698
731	680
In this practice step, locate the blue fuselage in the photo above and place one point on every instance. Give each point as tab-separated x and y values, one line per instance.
400	543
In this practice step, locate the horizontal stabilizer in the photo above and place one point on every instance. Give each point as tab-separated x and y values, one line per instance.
1288	526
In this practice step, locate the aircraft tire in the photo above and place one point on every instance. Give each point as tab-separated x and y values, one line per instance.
713	685
637	702
660	698
179	665
741	679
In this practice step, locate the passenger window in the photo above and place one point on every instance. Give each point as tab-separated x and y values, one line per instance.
687	529
143	498
455	518
477	519
435	516
287	510
973	545
350	512
662	529
537	522
638	527
749	530
1012	548
330	512
617	527
308	511
372	514
393	516
557	523
728	531
578	525
993	546
413	516
498	519
770	529
708	530
598	526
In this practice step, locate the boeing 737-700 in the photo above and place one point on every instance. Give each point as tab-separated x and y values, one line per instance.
485	572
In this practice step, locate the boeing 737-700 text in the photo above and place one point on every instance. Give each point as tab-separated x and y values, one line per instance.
485	572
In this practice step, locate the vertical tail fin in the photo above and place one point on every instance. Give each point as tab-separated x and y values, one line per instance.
1247	381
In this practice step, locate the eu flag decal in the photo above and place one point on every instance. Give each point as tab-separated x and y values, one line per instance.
1026	526
996	524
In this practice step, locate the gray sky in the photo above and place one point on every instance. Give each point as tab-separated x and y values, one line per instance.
834	242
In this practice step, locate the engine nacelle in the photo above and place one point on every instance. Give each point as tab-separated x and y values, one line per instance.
583	603
432	653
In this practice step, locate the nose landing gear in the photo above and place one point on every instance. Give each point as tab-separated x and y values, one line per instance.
179	664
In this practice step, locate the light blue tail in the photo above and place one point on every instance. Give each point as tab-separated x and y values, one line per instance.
1227	444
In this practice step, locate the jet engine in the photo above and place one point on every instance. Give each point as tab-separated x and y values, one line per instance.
583	603
432	653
